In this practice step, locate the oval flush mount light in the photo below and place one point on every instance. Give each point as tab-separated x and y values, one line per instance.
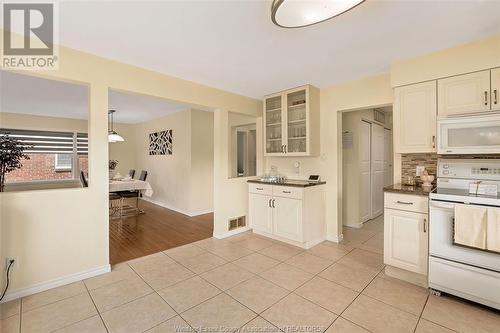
301	13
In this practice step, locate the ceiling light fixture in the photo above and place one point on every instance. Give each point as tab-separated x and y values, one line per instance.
301	13
112	135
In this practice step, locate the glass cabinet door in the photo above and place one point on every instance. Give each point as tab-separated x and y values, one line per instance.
273	125
296	122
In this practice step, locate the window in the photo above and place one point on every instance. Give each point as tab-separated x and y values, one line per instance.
63	162
53	156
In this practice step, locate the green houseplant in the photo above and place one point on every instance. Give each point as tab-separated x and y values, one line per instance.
11	154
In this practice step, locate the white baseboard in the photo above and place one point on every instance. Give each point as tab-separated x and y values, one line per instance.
188	213
357	226
200	212
335	239
232	232
61	281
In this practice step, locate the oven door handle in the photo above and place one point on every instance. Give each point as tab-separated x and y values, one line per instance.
437	204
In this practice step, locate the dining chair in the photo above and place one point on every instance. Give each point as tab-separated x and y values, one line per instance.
115	197
83	179
135	194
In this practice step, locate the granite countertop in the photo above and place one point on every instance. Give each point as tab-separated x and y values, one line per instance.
405	189
289	182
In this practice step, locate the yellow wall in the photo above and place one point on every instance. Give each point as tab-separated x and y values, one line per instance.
471	57
62	233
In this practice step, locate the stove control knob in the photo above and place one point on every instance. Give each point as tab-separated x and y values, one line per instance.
445	166
446	172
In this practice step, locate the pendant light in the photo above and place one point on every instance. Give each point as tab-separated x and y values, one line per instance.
112	135
301	13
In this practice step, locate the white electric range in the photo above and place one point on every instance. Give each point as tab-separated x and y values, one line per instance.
465	272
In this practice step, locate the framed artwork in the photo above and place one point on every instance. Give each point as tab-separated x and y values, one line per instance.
160	143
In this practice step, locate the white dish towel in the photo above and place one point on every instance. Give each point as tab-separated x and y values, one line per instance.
470	226
493	230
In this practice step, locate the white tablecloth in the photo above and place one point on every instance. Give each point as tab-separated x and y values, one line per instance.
131	185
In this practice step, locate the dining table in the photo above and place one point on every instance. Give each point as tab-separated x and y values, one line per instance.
117	185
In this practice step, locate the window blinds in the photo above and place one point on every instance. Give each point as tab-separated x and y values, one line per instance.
49	142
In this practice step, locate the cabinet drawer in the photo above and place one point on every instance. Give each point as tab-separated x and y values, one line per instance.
408	202
260	189
288	192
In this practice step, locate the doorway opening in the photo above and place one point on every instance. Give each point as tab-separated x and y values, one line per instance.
367	163
161	174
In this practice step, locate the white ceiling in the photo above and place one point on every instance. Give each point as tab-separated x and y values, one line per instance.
36	96
41	97
133	109
234	46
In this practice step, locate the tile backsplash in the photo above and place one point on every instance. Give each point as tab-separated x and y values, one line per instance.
409	162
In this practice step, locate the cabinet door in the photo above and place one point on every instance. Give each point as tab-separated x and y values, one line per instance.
287	218
297	110
495	89
261	213
273	125
469	93
415	118
405	240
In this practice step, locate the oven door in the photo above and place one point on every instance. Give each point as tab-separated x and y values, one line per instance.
441	239
469	135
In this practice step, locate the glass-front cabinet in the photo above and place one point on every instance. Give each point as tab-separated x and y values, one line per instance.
291	122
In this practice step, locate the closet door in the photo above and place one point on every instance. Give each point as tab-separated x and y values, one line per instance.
377	170
365	171
387	157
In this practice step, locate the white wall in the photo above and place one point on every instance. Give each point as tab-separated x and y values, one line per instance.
182	181
124	152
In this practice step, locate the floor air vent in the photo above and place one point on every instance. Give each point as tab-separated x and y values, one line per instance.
237	222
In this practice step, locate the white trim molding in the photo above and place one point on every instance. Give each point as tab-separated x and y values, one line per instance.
61	281
335	239
164	205
232	232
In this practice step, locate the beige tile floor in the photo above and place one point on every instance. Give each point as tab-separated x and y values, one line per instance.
250	283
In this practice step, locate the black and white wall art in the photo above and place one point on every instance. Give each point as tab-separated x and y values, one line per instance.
160	143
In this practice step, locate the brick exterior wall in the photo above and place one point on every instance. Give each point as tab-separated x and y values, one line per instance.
42	167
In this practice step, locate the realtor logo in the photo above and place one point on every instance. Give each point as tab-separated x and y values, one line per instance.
29	36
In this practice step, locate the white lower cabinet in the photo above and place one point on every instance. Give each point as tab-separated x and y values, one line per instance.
261	212
289	214
406	235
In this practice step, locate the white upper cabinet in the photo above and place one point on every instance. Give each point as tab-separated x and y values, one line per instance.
495	89
415	118
462	94
291	122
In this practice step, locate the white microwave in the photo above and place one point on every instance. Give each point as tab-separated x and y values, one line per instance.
469	135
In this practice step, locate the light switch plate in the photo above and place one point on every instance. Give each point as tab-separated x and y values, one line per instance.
420	168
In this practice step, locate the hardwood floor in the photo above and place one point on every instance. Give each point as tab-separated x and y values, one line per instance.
157	230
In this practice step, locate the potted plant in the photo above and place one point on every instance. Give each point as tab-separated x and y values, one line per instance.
112	166
11	154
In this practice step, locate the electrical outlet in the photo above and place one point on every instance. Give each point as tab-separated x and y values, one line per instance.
420	169
7	262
